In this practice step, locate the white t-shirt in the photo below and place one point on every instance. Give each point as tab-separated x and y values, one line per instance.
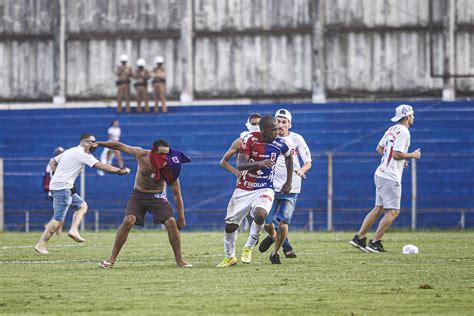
396	138
70	164
114	133
298	149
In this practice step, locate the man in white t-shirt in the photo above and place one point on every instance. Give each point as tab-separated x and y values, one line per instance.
108	155
66	167
284	204
388	179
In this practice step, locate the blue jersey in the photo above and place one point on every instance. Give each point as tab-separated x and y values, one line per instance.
257	150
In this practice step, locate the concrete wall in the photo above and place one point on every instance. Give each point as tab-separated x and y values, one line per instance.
241	48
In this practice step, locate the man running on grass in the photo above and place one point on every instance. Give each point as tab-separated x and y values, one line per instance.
284	205
254	192
388	179
66	167
155	168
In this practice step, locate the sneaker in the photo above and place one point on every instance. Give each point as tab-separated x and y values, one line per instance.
247	255
289	253
359	243
227	262
375	246
266	243
275	259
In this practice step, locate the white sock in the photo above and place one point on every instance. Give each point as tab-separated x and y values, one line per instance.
229	243
255	231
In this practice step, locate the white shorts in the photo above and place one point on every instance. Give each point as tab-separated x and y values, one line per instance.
388	193
242	202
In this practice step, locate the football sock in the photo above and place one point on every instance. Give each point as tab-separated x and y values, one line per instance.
255	231
229	243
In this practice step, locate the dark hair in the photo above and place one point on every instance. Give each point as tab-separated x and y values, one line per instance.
84	136
112	123
254	115
160	143
265	121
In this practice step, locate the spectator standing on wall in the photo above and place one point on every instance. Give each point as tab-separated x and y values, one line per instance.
124	73
159	84
141	76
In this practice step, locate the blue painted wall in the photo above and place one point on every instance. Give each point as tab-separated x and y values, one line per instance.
444	132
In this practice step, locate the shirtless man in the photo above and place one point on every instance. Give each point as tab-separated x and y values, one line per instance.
155	167
159	84
141	77
124	73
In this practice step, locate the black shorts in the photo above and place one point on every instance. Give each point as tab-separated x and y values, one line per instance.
156	203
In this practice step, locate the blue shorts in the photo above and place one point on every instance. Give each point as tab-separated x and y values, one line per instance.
62	201
282	208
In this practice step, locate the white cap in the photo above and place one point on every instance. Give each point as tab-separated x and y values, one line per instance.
409	249
159	60
283	113
123	58
141	62
402	111
58	151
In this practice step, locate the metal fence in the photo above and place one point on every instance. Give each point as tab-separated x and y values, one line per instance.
331	214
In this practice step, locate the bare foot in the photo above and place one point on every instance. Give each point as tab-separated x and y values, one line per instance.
76	236
41	249
105	264
184	264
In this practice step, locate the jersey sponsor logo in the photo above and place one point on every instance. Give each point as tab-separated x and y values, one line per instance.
255	184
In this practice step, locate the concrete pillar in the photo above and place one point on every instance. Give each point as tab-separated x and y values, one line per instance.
187	51
317	48
449	28
59	52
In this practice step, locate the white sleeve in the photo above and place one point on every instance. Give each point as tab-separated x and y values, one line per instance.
402	142
88	159
58	158
303	149
382	141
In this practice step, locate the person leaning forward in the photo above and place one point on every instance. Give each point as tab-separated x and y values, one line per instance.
124	73
156	167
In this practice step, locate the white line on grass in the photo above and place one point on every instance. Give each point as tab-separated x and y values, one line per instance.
55	246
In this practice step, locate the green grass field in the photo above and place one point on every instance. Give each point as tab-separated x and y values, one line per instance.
328	277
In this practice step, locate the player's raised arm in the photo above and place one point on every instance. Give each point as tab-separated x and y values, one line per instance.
133	151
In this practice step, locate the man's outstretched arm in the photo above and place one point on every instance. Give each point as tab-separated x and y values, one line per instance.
133	151
112	169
